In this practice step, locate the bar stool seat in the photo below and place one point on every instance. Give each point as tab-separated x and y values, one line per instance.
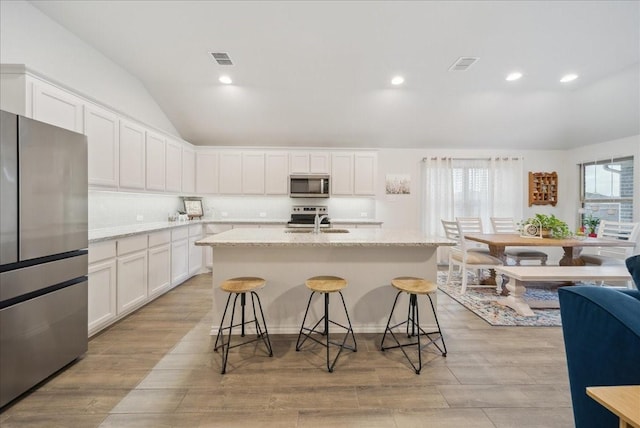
414	286
326	285
239	287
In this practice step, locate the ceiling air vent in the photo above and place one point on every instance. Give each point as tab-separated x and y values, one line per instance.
463	63
222	58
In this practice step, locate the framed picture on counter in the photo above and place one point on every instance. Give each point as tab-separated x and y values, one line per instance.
193	207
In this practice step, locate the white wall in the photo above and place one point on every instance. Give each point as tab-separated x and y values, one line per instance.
29	37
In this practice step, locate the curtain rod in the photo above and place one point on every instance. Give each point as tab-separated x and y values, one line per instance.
465	159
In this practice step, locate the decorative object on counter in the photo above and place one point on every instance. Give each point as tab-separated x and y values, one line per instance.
398	184
193	207
550	226
591	223
543	188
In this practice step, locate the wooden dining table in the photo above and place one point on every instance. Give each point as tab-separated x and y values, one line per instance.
572	247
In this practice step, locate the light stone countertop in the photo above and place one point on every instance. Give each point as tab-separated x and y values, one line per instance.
115	232
354	238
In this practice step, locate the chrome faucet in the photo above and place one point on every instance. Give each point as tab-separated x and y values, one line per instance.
317	221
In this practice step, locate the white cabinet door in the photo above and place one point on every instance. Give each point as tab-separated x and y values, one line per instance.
299	162
319	163
132	155
155	161
342	174
101	128
188	170
173	177
101	294
364	173
179	261
253	173
206	173
57	107
276	173
159	269
195	256
132	281
309	163
230	173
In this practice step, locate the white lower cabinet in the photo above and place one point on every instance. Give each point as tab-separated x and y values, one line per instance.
102	285
159	277
179	255
132	273
195	252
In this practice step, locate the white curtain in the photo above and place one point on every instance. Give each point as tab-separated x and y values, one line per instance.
437	197
507	193
489	187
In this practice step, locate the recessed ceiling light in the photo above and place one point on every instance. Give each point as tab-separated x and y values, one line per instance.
513	76
226	80
568	78
397	80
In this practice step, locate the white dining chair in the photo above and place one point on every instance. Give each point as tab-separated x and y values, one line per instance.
472	225
466	258
508	225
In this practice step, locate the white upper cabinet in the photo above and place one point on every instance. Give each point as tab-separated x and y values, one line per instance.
309	163
173	176
206	172
101	128
276	173
354	173
57	107
188	170
342	173
230	173
155	161
132	155
365	170
253	173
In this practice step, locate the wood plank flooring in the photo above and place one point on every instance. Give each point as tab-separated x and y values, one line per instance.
156	368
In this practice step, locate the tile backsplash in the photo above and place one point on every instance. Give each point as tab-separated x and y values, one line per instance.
109	209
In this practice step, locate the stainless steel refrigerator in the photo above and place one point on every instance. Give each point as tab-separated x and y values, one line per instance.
43	251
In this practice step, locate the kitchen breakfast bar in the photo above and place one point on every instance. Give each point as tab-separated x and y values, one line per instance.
367	258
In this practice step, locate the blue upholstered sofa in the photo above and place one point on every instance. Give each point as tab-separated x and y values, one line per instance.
601	328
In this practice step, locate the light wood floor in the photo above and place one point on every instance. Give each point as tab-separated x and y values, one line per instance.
156	368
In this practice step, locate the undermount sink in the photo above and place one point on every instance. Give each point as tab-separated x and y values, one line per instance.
321	230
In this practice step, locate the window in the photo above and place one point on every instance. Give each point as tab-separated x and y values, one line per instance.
607	189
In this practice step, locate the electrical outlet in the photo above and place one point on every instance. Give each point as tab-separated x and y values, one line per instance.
262	214
224	214
139	217
364	214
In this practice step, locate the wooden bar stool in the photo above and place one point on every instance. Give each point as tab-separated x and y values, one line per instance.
239	287
414	286
326	285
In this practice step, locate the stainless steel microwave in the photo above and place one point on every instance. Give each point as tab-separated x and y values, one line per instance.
309	186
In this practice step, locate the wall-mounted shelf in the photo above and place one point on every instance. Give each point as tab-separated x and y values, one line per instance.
543	188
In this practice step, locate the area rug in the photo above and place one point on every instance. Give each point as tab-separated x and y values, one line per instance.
482	302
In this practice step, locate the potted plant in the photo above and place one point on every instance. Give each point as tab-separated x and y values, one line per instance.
591	223
551	225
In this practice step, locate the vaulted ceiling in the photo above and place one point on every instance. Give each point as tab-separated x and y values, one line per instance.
314	73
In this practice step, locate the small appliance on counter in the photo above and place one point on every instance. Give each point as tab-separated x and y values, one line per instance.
305	216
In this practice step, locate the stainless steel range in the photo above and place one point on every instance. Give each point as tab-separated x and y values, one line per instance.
305	216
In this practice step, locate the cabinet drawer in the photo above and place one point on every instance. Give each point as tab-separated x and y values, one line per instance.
101	251
179	233
195	230
131	244
159	238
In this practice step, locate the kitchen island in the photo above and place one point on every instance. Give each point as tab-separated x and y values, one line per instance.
367	258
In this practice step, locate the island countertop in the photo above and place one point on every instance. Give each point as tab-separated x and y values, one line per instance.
353	238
